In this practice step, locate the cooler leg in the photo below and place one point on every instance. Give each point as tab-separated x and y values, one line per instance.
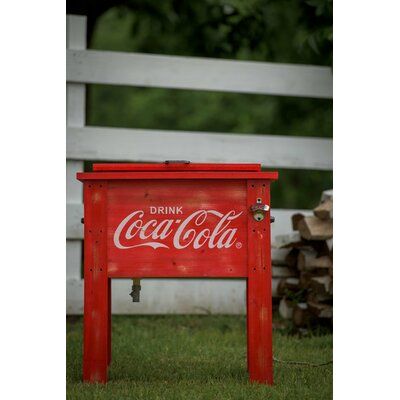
96	340
259	301
96	329
247	323
109	321
259	333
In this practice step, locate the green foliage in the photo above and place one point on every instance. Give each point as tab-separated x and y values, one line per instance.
196	357
276	30
280	31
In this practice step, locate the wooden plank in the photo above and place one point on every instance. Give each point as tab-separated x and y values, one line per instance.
96	291
74	187
76	39
76	32
73	260
169	165
74	225
119	144
173	176
175	72
74	206
281	225
179	253
259	296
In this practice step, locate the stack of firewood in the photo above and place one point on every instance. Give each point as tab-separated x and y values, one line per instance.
303	268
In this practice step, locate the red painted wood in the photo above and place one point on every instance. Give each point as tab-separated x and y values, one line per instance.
82	176
247	322
109	322
96	293
176	167
176	224
174	210
259	300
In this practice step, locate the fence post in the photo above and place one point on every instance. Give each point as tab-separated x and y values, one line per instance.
76	40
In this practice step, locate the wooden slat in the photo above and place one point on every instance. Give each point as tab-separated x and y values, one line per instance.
114	68
281	225
124	175
272	151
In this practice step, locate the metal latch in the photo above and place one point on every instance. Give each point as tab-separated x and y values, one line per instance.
135	294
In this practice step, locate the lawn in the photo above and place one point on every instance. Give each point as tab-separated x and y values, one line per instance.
196	357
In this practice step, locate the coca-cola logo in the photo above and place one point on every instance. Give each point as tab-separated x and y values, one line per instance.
209	228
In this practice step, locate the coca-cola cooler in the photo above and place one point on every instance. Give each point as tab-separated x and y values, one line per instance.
176	220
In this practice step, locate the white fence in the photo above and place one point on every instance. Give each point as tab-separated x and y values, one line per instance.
116	144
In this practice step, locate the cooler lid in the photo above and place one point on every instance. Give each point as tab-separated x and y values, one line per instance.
175	165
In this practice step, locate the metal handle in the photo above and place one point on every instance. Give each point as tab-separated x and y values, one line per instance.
177	162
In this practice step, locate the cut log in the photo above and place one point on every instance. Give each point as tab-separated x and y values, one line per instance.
329	245
319	298
321	284
324	210
296	218
301	315
274	287
288	284
283	272
292	283
291	258
305	280
290	240
327	195
278	256
320	310
286	308
308	261
313	228
322	247
306	276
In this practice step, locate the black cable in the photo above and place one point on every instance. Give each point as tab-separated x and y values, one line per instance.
305	363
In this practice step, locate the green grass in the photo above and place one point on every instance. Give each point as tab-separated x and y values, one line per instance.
196	357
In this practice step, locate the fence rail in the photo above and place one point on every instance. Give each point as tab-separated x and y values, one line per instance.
117	144
114	68
107	144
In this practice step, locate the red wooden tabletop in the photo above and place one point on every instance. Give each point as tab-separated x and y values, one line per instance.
175	166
